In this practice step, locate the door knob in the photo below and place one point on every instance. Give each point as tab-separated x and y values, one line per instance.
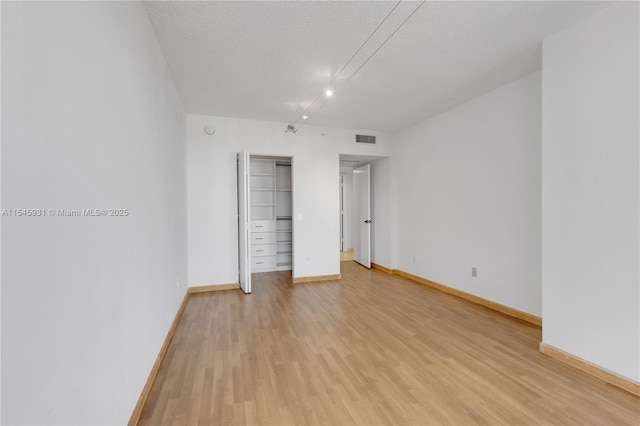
367	221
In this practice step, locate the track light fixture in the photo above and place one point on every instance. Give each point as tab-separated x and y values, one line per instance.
329	92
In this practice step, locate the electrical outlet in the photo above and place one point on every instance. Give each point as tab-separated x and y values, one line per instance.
474	272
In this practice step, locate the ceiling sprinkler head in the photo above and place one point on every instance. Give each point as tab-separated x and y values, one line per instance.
290	128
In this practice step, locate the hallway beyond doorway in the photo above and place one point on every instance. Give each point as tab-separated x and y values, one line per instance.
346	255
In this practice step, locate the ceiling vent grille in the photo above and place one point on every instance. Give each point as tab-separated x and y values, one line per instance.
365	139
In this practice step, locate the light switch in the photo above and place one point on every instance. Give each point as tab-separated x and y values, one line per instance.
299	216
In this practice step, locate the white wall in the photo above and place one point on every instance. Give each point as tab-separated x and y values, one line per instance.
468	194
91	120
212	204
591	282
382	227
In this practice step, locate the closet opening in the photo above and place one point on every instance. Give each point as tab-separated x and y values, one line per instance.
265	218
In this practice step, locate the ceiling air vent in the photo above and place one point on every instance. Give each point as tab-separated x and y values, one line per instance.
365	139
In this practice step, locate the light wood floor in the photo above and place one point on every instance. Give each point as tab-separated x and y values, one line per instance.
346	255
371	349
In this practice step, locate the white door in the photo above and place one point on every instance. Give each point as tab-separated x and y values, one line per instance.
341	214
362	205
244	261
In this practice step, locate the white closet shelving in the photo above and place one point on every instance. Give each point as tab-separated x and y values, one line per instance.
284	230
270	213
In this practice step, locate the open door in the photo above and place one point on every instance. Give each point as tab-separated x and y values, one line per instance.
244	265
362	207
341	213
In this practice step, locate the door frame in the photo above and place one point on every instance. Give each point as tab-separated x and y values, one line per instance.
247	213
244	221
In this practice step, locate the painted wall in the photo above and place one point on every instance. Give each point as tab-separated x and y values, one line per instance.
212	196
590	175
91	120
468	195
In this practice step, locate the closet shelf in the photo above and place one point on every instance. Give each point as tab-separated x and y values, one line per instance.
271	214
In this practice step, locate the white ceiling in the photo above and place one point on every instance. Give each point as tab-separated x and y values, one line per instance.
269	60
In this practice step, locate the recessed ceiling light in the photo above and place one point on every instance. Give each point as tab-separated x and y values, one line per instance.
329	93
305	117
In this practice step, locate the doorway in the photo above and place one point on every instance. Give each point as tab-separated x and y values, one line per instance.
265	218
355	233
346	185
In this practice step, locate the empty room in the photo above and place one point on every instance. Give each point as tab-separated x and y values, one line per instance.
320	212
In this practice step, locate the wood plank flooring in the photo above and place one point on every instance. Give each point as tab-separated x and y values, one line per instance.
371	349
346	255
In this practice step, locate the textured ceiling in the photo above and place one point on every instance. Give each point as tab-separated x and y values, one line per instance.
270	60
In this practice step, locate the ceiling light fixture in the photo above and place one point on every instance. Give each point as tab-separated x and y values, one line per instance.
305	117
328	93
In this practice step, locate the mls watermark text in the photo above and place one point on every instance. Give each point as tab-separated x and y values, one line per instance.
65	212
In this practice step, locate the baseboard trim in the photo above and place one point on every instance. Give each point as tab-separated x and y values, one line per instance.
299	280
214	287
383	269
137	411
532	319
590	368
